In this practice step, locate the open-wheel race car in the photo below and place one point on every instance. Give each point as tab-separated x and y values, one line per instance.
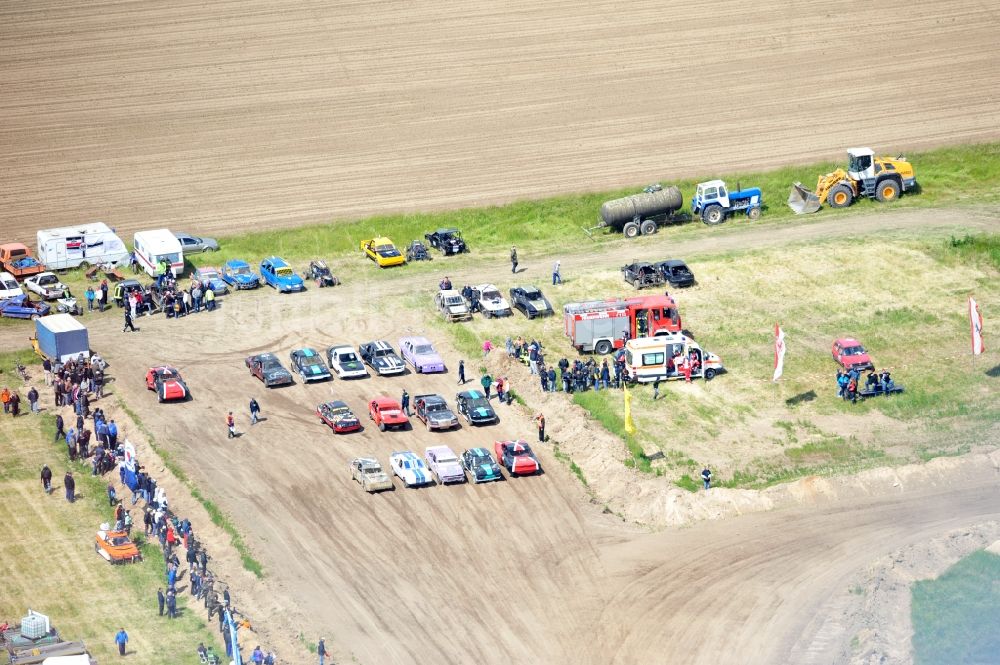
167	383
417	251
320	273
449	241
338	416
116	547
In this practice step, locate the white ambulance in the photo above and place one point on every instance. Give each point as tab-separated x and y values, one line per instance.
152	246
650	358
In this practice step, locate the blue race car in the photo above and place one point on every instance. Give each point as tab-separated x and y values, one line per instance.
310	365
278	274
481	465
22	307
211	278
238	274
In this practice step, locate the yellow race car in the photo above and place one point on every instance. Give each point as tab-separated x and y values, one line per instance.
382	252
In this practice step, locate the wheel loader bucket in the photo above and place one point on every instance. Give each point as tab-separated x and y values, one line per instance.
802	201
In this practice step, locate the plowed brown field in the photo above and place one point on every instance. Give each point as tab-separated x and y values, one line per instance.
225	115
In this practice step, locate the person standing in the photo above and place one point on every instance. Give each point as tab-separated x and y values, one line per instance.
71	443
132	304
113	434
513	259
121	639
112	495
461	372
47	479
254	411
60	424
128	321
487	347
70	484
321	650
656	388
706	477
15	404
47	370
89	293
404	401
171	604
486	382
540	422
160	600
500	387
231	424
556	274
209	299
99	298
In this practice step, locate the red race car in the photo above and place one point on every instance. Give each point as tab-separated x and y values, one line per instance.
167	383
517	457
338	416
387	413
849	354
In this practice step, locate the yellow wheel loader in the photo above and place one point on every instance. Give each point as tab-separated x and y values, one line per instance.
881	178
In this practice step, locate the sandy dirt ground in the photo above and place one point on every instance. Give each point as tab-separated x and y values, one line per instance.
215	116
529	570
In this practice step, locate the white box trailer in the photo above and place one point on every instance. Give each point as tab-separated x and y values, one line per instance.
152	246
84	245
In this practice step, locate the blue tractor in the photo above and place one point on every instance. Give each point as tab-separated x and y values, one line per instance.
714	202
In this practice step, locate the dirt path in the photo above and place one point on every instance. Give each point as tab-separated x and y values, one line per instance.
228	115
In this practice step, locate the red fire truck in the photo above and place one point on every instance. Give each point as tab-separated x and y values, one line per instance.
604	325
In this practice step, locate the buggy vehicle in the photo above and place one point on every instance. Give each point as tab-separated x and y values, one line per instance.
22	307
487	299
211	278
449	241
193	244
850	354
320	273
433	411
380	356
452	305
475	407
444	464
338	416
276	273
676	273
410	468
530	301
369	474
267	368
238	274
116	547
387	414
46	285
344	360
517	457
382	252
167	383
309	365
417	251
420	353
481	465
642	275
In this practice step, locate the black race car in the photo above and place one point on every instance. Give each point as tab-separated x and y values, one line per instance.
381	357
676	273
475	407
449	241
267	368
642	275
530	301
417	251
309	365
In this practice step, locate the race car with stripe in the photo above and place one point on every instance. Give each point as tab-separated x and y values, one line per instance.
345	362
338	416
387	414
475	407
267	368
309	365
410	468
481	465
517	457
444	464
167	383
381	357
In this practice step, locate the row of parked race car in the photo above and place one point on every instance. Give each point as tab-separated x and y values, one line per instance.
441	465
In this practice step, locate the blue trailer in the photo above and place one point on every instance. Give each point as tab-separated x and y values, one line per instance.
713	202
60	337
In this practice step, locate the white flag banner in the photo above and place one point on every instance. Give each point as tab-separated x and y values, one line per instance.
976	321
779	352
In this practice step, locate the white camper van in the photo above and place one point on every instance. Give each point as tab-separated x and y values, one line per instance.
84	245
650	358
151	246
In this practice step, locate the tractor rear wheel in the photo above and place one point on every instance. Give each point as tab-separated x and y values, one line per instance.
648	227
887	190
713	215
603	347
840	196
753	214
631	230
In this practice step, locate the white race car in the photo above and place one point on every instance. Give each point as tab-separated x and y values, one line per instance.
47	285
411	469
445	465
346	362
488	300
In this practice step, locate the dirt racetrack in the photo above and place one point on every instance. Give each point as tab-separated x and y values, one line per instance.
220	116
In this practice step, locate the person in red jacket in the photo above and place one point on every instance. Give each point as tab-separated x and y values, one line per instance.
231	424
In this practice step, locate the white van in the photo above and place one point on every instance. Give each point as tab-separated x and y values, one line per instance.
9	288
152	246
650	358
84	245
